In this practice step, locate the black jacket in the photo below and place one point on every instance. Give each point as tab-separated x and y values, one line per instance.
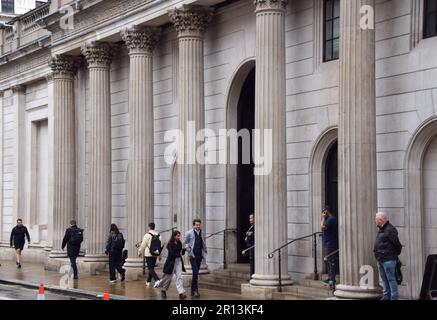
115	245
175	251
72	250
387	245
18	235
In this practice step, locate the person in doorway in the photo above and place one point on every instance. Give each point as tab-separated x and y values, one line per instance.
72	239
195	244
250	243
387	249
173	265
329	227
18	237
114	249
151	256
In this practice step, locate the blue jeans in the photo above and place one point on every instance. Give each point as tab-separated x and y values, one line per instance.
387	272
73	265
195	266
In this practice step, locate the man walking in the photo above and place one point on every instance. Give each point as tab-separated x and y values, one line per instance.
72	239
250	243
329	228
18	237
195	244
150	253
387	250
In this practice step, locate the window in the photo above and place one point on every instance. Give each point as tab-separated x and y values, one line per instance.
8	6
430	19
331	34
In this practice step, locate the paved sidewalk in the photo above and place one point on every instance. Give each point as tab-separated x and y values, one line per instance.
31	275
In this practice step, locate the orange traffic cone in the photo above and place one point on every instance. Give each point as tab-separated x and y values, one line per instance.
106	296
41	293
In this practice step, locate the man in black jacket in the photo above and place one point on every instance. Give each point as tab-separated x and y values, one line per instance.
387	250
72	239
18	237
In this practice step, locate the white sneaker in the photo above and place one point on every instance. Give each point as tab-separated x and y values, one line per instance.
157	284
147	284
112	281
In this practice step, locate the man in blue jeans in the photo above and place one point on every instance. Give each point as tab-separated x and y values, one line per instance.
387	250
195	244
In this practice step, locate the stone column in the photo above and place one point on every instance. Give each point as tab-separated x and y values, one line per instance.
99	57
270	114
140	42
356	153
190	23
64	150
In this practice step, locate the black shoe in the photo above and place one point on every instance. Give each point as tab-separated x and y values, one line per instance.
163	295
75	277
195	294
19	266
123	276
182	296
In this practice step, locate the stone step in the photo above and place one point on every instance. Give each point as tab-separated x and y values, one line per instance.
223	280
307	292
232	274
230	288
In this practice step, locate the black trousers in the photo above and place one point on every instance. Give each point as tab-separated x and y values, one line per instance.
151	263
252	262
73	265
195	266
115	264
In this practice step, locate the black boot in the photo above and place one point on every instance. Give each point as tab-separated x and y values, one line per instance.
163	294
182	296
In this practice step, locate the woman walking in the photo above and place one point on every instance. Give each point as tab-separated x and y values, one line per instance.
114	249
173	265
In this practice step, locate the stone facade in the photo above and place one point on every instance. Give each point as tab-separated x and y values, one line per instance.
310	94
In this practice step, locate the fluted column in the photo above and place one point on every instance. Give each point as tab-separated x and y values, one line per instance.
64	149
191	23
356	153
270	114
99	56
140	42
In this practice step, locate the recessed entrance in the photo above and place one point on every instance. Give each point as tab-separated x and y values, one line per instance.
245	177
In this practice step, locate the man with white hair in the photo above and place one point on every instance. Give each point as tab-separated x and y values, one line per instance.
387	250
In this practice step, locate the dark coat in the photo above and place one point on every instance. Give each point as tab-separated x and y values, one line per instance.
72	250
18	236
115	245
387	245
175	251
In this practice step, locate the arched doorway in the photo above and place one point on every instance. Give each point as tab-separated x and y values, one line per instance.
430	199
239	177
331	179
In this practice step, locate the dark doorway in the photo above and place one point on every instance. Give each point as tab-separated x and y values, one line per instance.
245	177
331	186
331	179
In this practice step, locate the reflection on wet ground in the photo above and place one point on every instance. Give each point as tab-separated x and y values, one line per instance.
35	274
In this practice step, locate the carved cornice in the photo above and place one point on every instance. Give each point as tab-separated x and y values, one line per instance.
262	5
98	54
190	20
64	65
141	39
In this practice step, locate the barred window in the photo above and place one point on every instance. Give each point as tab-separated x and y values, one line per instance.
8	6
331	34
430	19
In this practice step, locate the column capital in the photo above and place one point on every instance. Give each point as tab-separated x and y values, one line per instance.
63	65
261	5
141	39
98	54
19	88
190	20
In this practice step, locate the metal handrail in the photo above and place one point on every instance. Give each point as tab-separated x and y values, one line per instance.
246	250
224	231
325	258
278	250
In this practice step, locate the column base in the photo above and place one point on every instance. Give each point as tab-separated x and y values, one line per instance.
134	269
270	280
346	292
54	254
249	291
96	258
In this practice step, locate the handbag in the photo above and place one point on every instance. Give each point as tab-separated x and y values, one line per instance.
399	276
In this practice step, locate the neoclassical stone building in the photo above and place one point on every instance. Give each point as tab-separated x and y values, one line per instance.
88	91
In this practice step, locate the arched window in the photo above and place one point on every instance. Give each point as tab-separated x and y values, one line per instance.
331	33
430	19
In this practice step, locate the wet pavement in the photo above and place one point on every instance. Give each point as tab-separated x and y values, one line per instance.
14	292
31	273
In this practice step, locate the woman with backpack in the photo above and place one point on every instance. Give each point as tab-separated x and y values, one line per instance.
150	248
72	239
114	249
173	265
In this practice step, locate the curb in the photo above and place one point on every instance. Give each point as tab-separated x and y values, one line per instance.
70	292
